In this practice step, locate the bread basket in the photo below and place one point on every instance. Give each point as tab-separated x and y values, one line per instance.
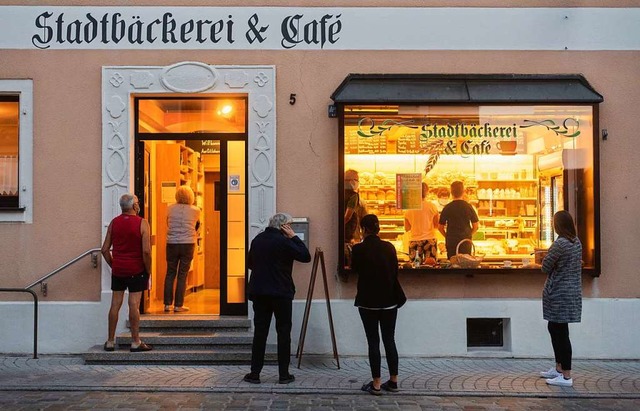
466	260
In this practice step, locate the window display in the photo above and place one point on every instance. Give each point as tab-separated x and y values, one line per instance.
518	165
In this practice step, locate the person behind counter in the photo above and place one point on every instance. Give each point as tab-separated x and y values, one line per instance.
562	295
443	198
378	298
354	209
458	221
422	226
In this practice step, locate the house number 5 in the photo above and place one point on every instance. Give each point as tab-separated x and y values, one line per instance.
292	99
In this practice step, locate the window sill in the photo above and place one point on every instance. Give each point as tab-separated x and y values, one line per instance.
12	209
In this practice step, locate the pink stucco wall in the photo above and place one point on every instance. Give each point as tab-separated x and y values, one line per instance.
67	151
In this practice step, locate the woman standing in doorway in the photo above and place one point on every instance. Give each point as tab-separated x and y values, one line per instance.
562	295
182	225
378	299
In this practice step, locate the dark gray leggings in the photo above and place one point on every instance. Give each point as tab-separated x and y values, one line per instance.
179	258
561	344
386	320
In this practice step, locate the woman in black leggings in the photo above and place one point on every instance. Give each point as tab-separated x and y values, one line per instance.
378	299
562	295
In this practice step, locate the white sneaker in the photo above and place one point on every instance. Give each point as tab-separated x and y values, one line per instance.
552	373
560	381
180	309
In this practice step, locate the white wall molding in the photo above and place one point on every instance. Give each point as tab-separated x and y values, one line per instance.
120	84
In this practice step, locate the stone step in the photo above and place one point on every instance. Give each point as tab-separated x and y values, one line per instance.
185	339
202	338
96	355
193	322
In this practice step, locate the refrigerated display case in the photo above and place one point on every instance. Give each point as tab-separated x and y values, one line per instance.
551	201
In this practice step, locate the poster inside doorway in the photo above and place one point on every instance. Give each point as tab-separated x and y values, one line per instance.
169	191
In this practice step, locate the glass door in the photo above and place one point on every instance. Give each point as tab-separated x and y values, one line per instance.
234	240
181	140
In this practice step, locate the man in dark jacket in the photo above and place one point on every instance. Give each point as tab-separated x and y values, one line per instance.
271	289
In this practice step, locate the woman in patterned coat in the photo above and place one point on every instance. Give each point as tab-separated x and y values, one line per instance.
562	295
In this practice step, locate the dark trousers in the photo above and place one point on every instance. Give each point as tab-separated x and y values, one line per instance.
386	321
452	244
179	258
264	307
561	344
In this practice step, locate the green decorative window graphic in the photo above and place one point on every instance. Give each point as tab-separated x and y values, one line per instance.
559	130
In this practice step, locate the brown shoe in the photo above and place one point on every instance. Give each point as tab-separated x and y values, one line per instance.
141	348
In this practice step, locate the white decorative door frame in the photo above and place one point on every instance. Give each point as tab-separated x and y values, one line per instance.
121	83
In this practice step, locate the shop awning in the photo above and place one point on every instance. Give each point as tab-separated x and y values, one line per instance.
465	89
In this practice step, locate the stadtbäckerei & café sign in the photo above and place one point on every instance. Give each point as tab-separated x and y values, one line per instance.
318	28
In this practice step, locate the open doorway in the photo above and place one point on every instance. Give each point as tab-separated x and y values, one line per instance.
198	142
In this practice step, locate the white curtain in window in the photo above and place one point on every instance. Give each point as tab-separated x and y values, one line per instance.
8	175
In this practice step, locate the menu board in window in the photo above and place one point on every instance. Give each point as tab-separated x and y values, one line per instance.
355	144
408	144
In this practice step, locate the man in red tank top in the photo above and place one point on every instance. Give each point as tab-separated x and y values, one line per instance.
127	250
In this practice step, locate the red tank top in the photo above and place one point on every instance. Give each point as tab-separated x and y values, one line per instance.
127	246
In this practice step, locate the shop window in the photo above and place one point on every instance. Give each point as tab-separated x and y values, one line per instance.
16	138
518	166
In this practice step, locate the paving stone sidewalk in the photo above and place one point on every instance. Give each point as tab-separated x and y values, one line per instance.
418	376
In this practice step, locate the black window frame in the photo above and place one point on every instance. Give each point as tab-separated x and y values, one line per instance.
377	89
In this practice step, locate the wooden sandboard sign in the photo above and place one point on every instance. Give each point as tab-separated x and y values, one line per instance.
318	260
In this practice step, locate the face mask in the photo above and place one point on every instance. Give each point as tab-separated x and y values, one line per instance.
443	201
354	185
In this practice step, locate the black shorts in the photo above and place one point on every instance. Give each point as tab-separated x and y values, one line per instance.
135	284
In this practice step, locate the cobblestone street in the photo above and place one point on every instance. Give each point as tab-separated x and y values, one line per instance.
65	382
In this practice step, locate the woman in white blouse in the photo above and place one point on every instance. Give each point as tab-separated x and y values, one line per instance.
182	225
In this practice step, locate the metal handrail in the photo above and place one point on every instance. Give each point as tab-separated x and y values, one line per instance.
43	287
43	284
35	314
